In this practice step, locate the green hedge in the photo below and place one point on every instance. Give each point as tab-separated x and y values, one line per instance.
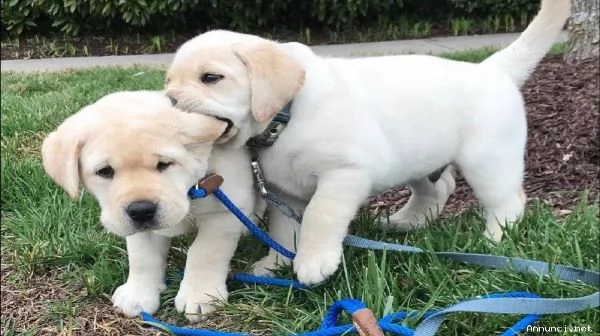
77	17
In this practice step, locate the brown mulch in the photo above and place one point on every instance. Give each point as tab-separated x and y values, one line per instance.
563	148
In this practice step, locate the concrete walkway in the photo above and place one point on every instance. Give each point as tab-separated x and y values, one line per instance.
432	45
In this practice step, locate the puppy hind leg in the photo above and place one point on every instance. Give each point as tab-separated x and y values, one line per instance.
503	214
426	202
285	231
497	183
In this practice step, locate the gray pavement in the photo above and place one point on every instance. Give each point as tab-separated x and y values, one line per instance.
435	45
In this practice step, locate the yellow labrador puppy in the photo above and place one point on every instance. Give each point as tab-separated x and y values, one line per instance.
359	126
138	156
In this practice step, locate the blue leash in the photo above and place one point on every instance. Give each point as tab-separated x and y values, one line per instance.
499	303
330	326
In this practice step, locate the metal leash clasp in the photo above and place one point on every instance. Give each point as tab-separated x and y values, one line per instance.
259	178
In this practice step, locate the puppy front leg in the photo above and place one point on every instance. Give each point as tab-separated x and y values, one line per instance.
147	254
207	266
338	195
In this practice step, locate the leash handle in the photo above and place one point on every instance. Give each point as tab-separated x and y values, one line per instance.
365	323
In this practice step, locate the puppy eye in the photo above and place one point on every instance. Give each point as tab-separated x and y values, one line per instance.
107	172
161	166
210	78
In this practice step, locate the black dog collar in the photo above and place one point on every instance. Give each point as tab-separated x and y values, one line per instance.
272	132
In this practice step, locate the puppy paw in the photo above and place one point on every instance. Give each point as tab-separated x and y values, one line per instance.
266	265
495	234
197	302
133	298
424	207
406	219
414	215
316	266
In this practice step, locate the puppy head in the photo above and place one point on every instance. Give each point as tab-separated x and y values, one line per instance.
243	78
136	154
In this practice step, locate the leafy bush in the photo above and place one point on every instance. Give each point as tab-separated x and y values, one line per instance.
482	8
75	17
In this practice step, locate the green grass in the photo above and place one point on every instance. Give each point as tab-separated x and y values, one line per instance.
43	230
478	55
469	55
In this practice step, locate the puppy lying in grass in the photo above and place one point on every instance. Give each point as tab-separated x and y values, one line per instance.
360	126
138	156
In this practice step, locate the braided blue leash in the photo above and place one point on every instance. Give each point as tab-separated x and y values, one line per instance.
504	303
262	280
196	192
260	234
330	326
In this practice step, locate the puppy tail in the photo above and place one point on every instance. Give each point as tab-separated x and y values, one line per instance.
520	58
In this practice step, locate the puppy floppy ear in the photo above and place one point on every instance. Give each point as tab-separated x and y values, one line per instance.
197	128
60	155
274	77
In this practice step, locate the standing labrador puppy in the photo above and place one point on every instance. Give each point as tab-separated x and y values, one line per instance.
359	126
138	156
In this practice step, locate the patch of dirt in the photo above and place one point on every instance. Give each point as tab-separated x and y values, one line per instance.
563	146
52	307
42	301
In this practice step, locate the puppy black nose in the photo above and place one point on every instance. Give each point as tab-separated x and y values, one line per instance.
173	100
141	211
